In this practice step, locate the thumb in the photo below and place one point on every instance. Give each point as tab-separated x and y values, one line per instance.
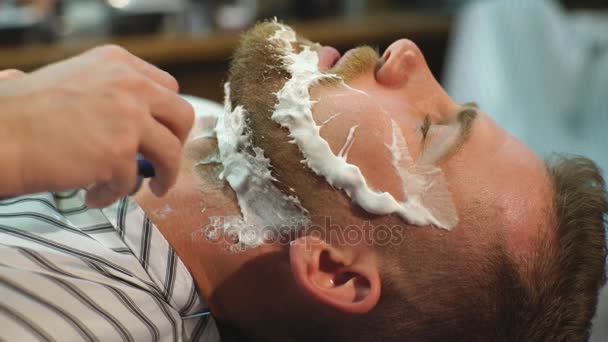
10	74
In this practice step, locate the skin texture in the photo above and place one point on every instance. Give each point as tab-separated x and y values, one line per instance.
499	187
80	123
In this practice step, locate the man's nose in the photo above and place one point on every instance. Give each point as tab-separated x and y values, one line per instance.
398	62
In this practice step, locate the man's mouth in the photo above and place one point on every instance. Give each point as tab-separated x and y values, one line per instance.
330	59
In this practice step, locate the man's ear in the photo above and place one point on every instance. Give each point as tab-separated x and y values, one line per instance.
343	277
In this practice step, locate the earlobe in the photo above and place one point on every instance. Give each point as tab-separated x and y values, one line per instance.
344	278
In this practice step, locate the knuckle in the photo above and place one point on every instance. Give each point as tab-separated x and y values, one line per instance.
112	51
126	148
173	84
129	108
122	76
118	70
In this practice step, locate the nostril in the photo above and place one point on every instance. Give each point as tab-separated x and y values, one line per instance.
382	61
391	70
386	56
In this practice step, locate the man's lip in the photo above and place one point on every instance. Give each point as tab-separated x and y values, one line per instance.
344	57
328	57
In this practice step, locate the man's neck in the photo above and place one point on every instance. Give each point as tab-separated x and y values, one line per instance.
182	216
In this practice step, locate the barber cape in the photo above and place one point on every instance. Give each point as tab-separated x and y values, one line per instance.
542	73
70	273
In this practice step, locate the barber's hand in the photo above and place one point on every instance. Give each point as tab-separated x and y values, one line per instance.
82	121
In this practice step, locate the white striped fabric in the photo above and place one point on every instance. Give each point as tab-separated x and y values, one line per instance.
70	273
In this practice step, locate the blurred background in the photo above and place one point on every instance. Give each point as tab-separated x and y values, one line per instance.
193	39
539	67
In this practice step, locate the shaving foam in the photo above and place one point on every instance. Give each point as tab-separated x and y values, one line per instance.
263	206
427	198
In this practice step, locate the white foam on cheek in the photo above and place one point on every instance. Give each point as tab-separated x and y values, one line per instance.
359	91
423	184
350	140
264	207
330	119
444	137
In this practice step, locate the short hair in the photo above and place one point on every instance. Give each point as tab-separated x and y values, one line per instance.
572	271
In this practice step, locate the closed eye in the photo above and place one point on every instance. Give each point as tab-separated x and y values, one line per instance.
426	125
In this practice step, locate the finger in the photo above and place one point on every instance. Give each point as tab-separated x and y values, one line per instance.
122	184
154	73
163	149
11	74
99	196
171	110
119	54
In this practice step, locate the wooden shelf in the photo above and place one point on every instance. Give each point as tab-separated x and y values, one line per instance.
174	49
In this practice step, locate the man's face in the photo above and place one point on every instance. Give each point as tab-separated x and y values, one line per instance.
489	172
493	180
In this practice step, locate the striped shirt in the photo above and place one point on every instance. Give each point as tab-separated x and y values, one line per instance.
70	273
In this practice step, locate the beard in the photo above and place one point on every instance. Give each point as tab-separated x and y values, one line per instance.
257	73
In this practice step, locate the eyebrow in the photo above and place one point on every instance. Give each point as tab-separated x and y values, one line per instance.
466	117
